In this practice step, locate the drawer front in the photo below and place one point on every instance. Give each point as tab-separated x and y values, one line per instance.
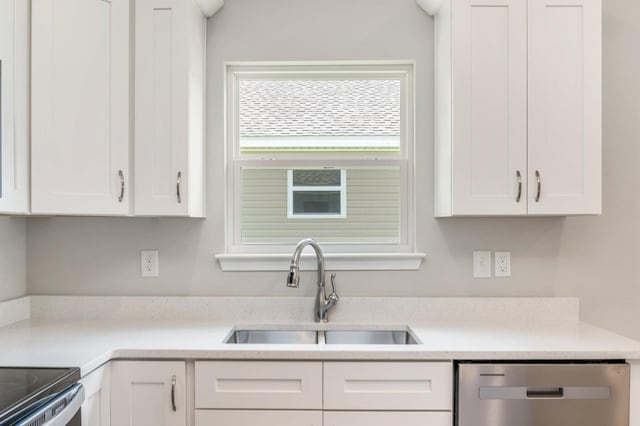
388	386
388	418
261	418
259	385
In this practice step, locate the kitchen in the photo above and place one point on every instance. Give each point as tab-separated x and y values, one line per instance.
86	269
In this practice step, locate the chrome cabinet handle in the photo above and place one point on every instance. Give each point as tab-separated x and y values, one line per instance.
178	181
539	181
519	176
173	393
121	175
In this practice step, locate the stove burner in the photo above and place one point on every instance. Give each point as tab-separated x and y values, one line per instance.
20	382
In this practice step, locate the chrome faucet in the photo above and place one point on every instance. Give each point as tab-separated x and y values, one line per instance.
323	303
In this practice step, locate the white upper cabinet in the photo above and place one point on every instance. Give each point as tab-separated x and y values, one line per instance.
14	106
169	92
489	77
89	155
518	101
565	106
80	107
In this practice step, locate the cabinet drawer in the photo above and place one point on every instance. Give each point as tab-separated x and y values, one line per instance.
388	386
381	418
259	385
262	418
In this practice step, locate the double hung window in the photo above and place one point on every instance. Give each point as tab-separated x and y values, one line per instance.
321	151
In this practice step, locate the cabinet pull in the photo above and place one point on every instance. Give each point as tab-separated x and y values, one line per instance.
178	181
519	176
539	181
173	393
121	175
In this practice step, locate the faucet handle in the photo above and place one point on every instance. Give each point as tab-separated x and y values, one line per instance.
333	286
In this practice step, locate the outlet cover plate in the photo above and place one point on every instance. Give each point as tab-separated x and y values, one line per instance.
502	264
481	264
149	264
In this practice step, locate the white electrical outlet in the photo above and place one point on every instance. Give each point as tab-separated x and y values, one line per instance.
149	263
503	264
481	264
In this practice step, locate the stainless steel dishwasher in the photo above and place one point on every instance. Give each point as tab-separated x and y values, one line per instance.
570	394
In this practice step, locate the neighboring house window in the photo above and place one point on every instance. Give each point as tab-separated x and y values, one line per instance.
321	151
317	194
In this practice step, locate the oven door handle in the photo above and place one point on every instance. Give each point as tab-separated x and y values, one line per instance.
59	411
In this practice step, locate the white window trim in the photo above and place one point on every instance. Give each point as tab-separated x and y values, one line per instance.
343	197
366	256
280	262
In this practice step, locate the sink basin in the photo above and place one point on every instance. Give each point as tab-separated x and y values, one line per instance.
329	337
369	337
282	337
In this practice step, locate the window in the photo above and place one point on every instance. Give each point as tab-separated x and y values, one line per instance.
321	151
317	194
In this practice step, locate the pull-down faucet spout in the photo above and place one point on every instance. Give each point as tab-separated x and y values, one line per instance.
323	303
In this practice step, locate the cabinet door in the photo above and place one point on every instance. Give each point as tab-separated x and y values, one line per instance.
169	127
565	106
14	106
381	418
96	406
489	71
143	393
80	107
258	418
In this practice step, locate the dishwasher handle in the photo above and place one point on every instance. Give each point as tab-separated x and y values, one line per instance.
546	393
561	392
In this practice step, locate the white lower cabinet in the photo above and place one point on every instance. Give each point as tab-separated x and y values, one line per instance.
386	418
269	393
262	385
258	418
96	408
148	393
292	393
388	386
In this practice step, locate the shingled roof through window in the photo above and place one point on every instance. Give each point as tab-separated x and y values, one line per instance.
272	108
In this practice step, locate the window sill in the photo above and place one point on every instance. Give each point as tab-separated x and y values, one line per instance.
333	262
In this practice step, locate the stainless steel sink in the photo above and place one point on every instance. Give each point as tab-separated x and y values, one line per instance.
329	337
282	337
369	337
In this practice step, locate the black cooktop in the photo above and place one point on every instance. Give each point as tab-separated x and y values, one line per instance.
20	387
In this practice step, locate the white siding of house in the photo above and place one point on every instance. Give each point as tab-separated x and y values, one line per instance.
373	209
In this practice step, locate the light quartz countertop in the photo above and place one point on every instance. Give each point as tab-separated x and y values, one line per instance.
57	334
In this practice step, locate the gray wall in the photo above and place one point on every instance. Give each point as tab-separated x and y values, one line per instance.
13	258
599	259
592	257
